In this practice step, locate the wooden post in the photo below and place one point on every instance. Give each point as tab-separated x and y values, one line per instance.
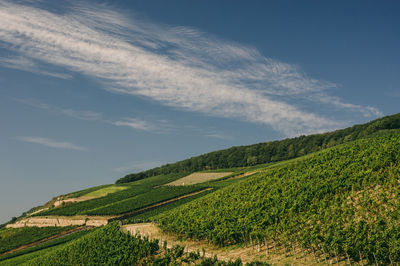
266	246
294	251
376	263
337	260
361	259
348	258
259	244
323	250
251	242
391	262
313	251
273	241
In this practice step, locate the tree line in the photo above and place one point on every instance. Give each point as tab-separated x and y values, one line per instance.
267	152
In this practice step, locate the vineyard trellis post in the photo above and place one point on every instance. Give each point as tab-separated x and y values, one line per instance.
323	250
266	246
313	251
361	258
348	258
337	259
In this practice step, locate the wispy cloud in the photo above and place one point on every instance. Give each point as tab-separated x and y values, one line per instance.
22	63
219	136
136	124
179	67
53	143
157	126
78	114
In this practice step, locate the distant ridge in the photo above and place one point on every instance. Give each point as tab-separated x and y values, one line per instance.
267	152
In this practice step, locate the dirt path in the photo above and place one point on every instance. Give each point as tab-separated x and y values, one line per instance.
246	254
65	233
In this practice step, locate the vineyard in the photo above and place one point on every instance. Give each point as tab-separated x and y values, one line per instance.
267	152
45	245
342	202
122	198
110	246
11	238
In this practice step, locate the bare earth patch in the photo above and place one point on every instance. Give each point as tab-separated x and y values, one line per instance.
197	178
60	202
47	221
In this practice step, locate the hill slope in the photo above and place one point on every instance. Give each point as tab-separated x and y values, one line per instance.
270	151
344	200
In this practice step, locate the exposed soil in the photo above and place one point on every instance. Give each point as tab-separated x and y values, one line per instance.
47	221
60	202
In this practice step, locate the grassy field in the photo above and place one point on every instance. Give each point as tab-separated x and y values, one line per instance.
105	191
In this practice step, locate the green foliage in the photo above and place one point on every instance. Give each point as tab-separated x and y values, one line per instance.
344	200
134	189
45	245
148	216
85	191
143	200
104	246
270	151
11	238
109	246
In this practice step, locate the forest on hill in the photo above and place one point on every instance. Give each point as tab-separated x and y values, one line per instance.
340	202
267	152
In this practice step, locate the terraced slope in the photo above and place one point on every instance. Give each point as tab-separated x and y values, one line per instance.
343	202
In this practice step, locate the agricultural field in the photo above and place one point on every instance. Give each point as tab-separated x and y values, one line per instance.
105	191
307	203
110	246
197	178
46	245
133	189
11	238
271	151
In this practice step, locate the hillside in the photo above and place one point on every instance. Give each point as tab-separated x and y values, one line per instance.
269	151
343	201
335	204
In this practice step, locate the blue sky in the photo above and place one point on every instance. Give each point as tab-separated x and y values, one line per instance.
93	90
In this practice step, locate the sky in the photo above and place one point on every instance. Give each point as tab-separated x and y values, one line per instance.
93	90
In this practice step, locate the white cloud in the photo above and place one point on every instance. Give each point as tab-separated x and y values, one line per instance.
179	67
29	65
219	136
136	124
155	126
53	143
78	114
